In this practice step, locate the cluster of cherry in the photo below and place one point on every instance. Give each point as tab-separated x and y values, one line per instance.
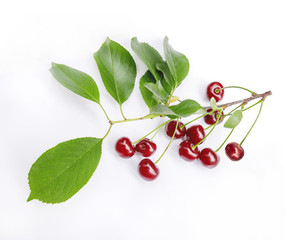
188	149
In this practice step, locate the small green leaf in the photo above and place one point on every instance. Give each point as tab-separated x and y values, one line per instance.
177	62
187	108
161	110
148	55
63	170
158	90
149	98
234	119
76	81
117	69
213	104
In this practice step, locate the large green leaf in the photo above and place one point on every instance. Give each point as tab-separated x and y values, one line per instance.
234	119
77	81
177	62
63	170
187	108
149	98
117	69
148	55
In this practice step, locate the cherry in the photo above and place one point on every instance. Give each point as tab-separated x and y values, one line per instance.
170	129
187	152
124	147
148	170
209	158
212	118
234	151
146	147
212	91
195	134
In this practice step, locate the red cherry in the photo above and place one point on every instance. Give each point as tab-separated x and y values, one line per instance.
187	152
124	147
146	147
211	91
195	134
148	170
212	118
234	151
209	158
170	129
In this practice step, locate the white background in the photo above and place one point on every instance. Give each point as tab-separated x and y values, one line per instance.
245	43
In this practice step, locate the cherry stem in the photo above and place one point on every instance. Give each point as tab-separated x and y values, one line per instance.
213	126
224	140
104	112
169	142
251	105
218	90
135	119
208	113
157	128
107	131
157	131
262	101
120	107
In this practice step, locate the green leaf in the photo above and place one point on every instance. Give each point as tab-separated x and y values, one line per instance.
117	69
148	55
167	81
161	110
158	90
149	98
177	62
234	119
213	104
187	108
63	170
77	81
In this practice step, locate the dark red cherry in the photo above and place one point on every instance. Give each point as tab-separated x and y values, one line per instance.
209	158
170	129
234	151
146	147
195	134
124	147
212	91
148	170
212	118
187	152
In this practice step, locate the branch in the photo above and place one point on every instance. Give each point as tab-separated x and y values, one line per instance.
245	100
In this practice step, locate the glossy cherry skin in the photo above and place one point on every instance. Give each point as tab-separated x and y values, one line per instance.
211	91
209	158
187	152
170	129
146	147
234	151
212	118
195	134
148	170
124	147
